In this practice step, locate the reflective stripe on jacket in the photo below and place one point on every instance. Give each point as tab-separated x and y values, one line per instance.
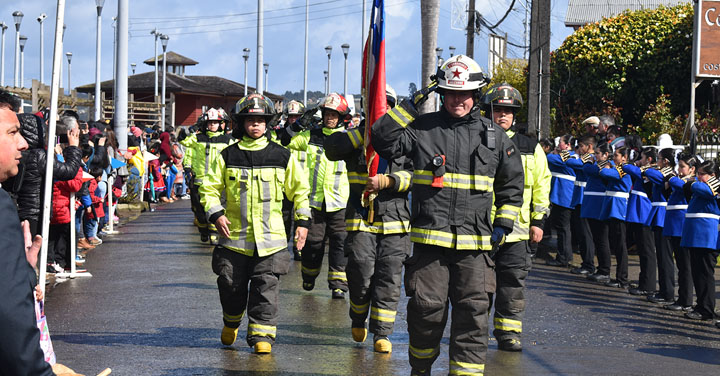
203	150
328	180
478	160
254	175
536	192
391	211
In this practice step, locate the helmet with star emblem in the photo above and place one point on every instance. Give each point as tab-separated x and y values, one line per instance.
335	102
502	95
461	73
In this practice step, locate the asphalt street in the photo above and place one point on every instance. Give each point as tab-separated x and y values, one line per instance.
152	308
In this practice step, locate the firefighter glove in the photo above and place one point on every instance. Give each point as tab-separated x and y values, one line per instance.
420	96
305	121
497	239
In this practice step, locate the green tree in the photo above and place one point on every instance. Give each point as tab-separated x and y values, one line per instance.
621	65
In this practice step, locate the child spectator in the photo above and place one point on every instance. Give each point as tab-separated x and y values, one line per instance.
59	237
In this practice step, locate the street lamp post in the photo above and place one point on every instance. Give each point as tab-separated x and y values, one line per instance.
69	57
266	66
326	82
328	49
246	55
133	65
438	53
17	17
98	107
4	27
157	35
23	40
452	51
40	20
164	40
345	49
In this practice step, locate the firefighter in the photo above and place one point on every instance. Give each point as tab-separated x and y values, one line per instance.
513	261
254	173
459	160
376	250
204	147
293	111
329	191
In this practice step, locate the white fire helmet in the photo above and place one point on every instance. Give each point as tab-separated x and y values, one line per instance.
461	73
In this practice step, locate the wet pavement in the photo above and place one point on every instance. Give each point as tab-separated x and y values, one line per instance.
152	308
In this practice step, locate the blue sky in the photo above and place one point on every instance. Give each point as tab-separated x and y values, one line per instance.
214	32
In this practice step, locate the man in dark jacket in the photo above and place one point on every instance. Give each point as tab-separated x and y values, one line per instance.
29	182
20	352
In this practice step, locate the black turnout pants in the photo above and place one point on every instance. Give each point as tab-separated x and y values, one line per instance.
436	277
512	266
198	210
561	224
331	226
374	272
252	283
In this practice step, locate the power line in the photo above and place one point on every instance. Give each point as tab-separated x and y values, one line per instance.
225	15
266	25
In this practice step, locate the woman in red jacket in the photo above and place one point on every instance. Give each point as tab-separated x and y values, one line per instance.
59	240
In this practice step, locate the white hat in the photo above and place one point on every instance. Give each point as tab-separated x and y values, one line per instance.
666	142
592	120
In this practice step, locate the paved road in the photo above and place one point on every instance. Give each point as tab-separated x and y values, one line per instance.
152	308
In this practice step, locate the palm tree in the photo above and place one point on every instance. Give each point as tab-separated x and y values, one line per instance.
429	14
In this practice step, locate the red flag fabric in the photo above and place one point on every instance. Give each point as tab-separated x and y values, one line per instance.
373	80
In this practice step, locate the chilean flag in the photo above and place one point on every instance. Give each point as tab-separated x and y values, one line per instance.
373	83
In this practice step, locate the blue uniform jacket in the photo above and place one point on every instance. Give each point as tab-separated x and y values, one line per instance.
700	229
676	208
616	197
639	206
580	180
658	201
594	192
563	181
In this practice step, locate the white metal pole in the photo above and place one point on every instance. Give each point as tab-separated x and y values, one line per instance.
73	233
345	79
305	66
69	76
16	71
41	20
259	67
163	87
115	35
329	90
121	75
156	63
22	67
98	104
362	36
54	88
2	54
111	207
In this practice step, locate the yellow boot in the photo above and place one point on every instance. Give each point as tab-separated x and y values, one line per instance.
383	345
228	335
263	348
359	334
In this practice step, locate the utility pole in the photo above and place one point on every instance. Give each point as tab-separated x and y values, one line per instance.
430	12
539	69
121	74
259	67
470	46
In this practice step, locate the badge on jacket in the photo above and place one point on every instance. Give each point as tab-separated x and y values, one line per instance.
510	151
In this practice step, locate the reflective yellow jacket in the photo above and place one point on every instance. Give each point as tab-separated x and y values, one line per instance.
205	148
328	180
536	192
254	175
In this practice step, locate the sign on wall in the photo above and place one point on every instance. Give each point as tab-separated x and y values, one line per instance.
708	32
